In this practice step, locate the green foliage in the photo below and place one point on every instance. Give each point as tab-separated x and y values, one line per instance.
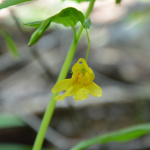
118	1
18	147
10	43
39	32
79	1
35	24
123	135
87	23
10	121
7	3
68	17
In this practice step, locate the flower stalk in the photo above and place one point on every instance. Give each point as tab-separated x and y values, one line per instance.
51	106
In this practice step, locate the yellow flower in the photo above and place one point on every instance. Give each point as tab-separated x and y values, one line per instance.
80	85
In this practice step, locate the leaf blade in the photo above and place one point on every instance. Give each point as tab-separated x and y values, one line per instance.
79	1
123	135
39	32
18	147
10	43
34	24
87	23
8	3
68	17
10	121
118	1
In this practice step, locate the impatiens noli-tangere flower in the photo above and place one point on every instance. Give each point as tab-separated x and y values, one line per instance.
80	85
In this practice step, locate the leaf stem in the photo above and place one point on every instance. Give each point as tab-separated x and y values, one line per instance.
51	106
74	34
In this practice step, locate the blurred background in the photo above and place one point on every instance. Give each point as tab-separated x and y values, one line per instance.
119	56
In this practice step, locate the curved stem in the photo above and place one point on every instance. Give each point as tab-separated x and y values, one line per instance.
74	34
51	106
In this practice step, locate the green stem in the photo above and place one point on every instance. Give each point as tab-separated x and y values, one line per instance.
74	34
87	54
51	106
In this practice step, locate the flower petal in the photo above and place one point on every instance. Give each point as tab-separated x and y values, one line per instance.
81	63
94	89
82	94
62	85
60	97
69	92
80	69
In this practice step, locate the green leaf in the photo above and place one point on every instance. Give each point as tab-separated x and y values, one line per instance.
87	23
10	43
34	24
118	1
7	3
68	17
123	135
10	121
18	147
79	1
39	32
